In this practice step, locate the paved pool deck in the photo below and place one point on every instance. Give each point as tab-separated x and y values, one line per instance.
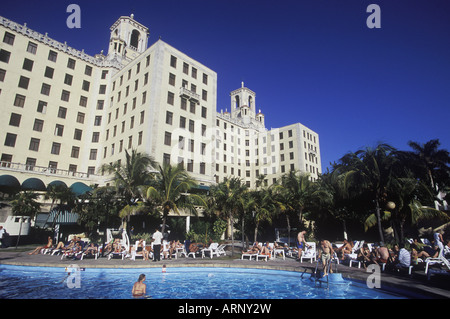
417	285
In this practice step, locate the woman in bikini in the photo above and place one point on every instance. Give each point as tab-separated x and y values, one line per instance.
139	288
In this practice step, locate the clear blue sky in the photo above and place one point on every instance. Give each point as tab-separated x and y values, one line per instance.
315	62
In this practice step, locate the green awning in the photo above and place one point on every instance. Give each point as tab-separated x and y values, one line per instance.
34	184
56	184
79	188
9	184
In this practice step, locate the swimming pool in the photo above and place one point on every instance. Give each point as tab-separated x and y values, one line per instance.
24	282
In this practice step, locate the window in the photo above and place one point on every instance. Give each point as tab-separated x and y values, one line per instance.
19	100
190	166
30	163
167	138
102	89
98	120
194	73
2	75
88	70
28	64
52	56
205	95
182	122
191	126
83	101
71	63
202	168
49	72
77	134
68	79
45	89
204	112
38	125
172	79
4	56
80	117
62	112
86	85
104	74
93	154
205	78
170	98
56	148
95	137
65	95
173	61
14	120
10	139
34	144
24	82
42	107
32	47
183	104
75	152
100	104
59	130
169	117
185	68
9	38
192	107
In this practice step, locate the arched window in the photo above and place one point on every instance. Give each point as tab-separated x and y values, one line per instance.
134	41
238	103
250	101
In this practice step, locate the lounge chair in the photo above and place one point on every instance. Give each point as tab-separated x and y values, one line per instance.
212	250
122	253
134	250
221	250
86	254
438	260
309	253
249	255
280	251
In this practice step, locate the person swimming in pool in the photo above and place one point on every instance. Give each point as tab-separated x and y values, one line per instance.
139	288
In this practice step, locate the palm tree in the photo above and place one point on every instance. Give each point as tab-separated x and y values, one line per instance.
134	173
264	207
170	191
300	191
370	171
430	161
64	195
339	202
25	204
227	197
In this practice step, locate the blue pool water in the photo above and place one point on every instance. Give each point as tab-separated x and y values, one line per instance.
22	282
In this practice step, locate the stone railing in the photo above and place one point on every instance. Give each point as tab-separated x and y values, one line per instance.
63	47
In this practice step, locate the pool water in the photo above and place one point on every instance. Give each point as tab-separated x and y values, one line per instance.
23	282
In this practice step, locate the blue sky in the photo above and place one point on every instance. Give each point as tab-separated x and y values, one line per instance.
315	62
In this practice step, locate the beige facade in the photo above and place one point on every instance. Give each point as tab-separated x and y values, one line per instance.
65	113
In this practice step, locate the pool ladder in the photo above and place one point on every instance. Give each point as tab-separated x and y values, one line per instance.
317	272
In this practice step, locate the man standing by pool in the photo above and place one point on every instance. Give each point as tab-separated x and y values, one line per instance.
157	238
326	253
301	243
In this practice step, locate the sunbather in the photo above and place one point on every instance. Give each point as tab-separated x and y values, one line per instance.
38	249
91	250
265	250
346	248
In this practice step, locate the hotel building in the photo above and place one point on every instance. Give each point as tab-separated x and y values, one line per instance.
65	113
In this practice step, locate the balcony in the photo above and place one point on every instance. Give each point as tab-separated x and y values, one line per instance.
19	167
184	92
